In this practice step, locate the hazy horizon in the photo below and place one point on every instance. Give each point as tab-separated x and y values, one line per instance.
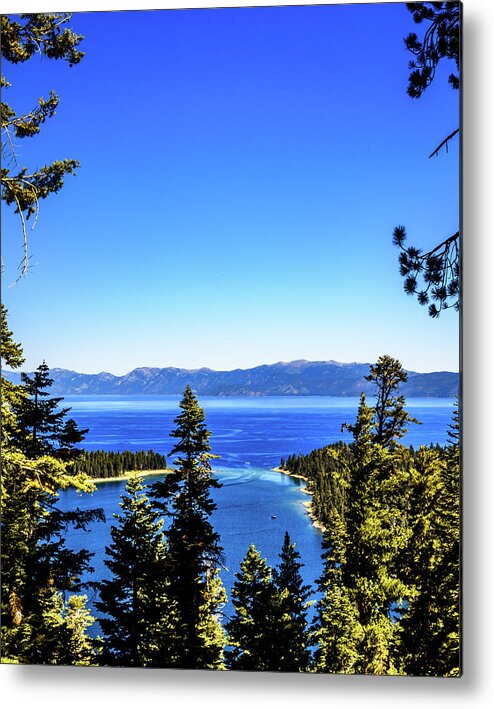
229	369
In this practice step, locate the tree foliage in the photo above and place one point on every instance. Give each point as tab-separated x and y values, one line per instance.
268	629
441	40
43	429
49	36
251	629
390	588
134	600
37	565
433	275
291	638
194	550
390	416
109	464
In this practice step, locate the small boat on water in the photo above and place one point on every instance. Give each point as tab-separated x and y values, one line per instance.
273	516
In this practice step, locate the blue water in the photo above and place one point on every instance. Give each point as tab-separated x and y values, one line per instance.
250	435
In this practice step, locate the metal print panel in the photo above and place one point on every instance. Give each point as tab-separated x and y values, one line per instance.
230	339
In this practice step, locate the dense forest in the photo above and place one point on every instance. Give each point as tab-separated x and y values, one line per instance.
109	464
391	519
387	599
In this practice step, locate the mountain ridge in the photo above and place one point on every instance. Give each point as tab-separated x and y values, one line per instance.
295	378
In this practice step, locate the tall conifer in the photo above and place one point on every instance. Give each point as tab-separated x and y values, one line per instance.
430	642
377	534
291	638
336	631
35	560
194	551
390	415
137	610
251	629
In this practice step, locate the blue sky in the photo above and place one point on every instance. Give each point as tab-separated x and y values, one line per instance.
242	171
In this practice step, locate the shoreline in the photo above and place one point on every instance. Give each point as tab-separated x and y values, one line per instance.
308	505
129	473
287	472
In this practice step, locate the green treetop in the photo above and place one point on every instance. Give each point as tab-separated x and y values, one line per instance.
291	639
194	550
36	563
251	629
336	631
42	429
137	619
390	415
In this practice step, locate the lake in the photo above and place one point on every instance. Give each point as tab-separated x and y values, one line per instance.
250	435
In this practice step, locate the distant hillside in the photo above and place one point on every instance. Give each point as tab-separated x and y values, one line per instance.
299	378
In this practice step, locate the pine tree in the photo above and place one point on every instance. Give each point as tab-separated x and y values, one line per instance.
390	416
70	435
57	634
41	426
377	534
292	638
23	187
79	649
336	631
430	643
35	560
135	602
13	395
194	550
251	629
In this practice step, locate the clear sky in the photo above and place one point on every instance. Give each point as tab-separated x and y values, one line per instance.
242	171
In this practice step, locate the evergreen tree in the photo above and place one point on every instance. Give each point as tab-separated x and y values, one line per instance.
79	649
35	560
135	599
57	634
291	639
22	187
70	435
13	395
41	421
336	631
377	534
430	643
390	415
194	550
251	630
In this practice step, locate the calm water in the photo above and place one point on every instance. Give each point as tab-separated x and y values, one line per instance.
250	435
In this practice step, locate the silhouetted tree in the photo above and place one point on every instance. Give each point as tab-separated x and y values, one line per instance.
439	267
137	610
251	629
291	638
42	429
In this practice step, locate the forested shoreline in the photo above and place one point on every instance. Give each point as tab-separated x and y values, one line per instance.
387	599
102	464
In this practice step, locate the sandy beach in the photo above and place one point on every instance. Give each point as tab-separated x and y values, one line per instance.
307	504
128	473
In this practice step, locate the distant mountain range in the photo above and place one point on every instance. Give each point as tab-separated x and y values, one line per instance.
299	378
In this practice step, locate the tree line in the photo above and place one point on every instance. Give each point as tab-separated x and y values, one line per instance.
387	601
109	464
